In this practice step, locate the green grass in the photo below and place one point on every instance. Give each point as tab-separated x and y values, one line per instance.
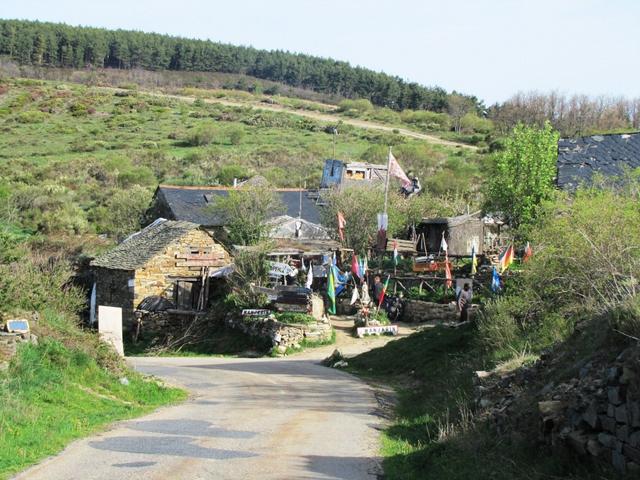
52	395
434	434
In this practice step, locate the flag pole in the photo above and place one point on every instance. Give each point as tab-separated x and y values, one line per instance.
386	183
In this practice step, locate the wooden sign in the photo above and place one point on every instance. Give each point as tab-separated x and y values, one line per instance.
377	330
203	258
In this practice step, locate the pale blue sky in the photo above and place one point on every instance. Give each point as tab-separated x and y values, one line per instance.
490	48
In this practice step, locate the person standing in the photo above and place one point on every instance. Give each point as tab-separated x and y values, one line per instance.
463	302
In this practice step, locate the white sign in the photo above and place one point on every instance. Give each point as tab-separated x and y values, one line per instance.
110	326
255	312
362	331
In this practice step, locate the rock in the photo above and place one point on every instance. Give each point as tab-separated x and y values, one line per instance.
634	439
622	432
612	375
578	441
621	414
340	364
281	349
608	423
590	416
546	390
619	462
633	467
628	376
485	402
631	453
634	414
607	440
550	407
611	411
615	395
594	447
124	381
625	355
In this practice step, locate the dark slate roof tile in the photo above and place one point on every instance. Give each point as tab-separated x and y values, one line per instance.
139	248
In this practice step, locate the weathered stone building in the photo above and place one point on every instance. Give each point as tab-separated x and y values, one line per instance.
172	260
461	234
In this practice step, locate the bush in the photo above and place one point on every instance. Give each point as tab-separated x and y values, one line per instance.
236	135
203	135
291	317
33	116
355	107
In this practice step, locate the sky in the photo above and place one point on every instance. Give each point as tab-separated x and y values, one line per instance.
488	48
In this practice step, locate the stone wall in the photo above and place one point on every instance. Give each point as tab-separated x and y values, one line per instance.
159	324
155	277
417	311
598	414
9	345
280	334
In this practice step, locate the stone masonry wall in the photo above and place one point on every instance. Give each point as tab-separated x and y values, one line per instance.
419	311
154	277
280	334
9	344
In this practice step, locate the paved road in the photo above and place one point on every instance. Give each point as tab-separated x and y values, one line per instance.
247	419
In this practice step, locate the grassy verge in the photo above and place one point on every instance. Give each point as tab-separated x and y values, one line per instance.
52	395
434	433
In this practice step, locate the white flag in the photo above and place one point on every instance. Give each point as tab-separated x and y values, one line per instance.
395	170
365	294
354	296
309	276
443	245
302	266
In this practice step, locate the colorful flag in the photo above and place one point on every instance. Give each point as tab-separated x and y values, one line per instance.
384	291
443	244
354	296
395	252
355	266
341	225
506	258
447	272
395	170
474	260
331	290
528	253
309	281
496	284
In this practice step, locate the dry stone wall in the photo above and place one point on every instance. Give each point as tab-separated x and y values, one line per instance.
418	311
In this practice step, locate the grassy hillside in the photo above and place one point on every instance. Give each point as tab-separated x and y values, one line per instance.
77	159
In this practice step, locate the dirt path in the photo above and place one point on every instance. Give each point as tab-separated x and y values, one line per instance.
323	117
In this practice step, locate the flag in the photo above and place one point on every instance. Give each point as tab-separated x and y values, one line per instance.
528	252
384	291
341	225
302	265
354	296
331	290
496	285
395	252
443	244
309	281
395	170
361	264
364	297
506	258
447	272
355	266
474	260
365	266
381	238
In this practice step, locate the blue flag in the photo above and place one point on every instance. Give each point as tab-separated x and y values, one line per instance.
495	281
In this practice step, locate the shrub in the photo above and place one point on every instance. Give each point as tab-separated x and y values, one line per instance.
355	107
236	135
32	116
203	135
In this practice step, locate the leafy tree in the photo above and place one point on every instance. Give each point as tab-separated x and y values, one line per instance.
524	173
245	212
124	210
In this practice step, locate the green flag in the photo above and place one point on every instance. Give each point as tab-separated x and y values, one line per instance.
331	290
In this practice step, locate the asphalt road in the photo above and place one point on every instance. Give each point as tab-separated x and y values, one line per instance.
246	419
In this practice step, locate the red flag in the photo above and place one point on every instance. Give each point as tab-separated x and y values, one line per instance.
447	272
528	253
341	225
384	292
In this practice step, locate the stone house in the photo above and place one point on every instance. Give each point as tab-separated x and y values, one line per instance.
172	262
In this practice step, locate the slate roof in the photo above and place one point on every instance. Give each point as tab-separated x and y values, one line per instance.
190	204
139	248
608	155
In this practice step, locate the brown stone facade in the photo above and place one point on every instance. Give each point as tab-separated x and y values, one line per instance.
165	275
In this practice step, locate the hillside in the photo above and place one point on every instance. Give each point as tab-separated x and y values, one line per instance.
59	45
89	157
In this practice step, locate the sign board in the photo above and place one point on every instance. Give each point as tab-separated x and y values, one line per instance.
110	326
18	326
256	312
377	330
